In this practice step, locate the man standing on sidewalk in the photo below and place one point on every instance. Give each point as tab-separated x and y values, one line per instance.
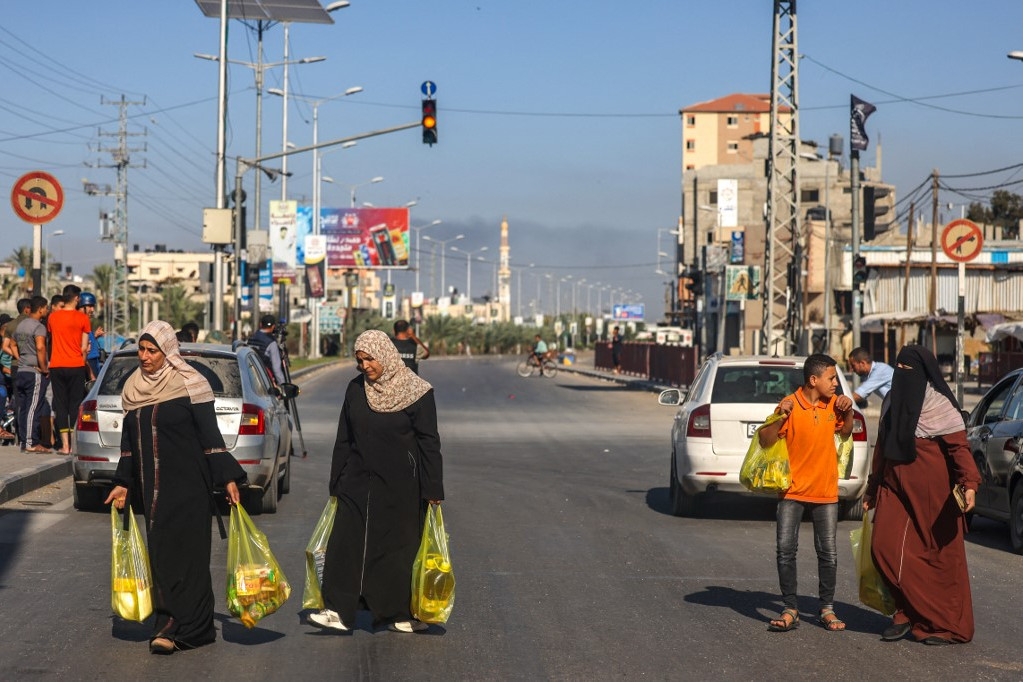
31	379
69	340
408	345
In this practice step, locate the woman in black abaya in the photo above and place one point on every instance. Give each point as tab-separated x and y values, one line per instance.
172	454
386	469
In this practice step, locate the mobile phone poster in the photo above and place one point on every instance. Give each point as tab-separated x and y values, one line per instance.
358	237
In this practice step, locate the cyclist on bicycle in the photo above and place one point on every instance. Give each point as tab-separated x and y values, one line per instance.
539	351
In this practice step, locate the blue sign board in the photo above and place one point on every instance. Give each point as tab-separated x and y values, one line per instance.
429	88
628	311
738	251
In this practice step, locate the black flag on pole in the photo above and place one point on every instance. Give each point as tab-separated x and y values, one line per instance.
859	111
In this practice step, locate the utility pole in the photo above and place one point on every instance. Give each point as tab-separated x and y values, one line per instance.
909	258
934	242
782	210
121	160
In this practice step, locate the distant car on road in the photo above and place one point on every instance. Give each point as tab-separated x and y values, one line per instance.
995	433
729	398
251	414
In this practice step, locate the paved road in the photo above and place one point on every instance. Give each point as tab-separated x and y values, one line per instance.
568	565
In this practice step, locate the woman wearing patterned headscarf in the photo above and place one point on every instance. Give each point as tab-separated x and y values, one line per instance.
917	544
172	454
386	469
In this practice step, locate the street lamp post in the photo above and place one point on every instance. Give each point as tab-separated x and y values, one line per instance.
443	258
352	188
47	259
419	229
468	267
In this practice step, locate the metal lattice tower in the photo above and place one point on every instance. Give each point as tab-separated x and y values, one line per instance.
121	157
782	228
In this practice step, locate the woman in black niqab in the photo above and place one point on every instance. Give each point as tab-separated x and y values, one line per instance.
915	367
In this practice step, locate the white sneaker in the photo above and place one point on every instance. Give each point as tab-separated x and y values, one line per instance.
409	626
327	619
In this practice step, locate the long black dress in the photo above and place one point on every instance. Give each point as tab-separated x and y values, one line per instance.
172	454
385	468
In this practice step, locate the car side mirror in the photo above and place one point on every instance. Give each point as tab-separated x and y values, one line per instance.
670	397
289	391
966	417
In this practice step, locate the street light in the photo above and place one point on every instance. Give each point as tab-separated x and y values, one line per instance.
468	267
443	259
419	229
351	188
557	312
47	261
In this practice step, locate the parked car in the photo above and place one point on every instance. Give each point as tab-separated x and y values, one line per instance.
729	398
251	413
995	433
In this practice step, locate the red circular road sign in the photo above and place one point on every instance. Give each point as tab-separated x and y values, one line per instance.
37	197
961	240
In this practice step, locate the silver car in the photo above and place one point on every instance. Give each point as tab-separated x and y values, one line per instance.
730	397
995	433
251	413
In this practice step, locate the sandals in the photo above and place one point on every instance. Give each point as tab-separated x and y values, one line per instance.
830	621
789	620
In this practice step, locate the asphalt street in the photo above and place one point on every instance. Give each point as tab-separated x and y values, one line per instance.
568	565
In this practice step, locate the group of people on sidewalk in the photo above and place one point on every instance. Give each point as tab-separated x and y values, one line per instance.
921	454
49	352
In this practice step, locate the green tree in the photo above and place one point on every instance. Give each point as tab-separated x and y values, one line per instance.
1005	210
103	279
177	308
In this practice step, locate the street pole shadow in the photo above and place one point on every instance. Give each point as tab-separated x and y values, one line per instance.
763	606
234	632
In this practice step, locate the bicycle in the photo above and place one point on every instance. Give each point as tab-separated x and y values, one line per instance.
530	367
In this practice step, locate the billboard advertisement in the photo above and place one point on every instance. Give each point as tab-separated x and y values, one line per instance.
283	238
315	259
728	202
628	311
359	237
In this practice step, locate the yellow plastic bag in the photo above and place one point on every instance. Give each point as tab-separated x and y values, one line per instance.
873	590
130	578
844	448
315	554
256	585
766	470
433	582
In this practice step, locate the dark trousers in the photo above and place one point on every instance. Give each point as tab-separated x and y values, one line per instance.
30	397
68	394
825	527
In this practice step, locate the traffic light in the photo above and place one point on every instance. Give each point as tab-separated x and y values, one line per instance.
430	121
695	283
238	201
874	205
859	272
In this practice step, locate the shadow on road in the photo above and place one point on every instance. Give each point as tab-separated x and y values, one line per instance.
721	506
13	526
990	534
130	631
612	387
762	606
236	633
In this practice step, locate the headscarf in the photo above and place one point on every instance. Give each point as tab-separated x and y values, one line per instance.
398	386
175	378
916	369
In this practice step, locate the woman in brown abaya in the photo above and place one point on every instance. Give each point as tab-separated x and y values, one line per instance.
921	453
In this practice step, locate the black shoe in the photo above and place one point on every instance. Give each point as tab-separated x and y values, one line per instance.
937	641
896	631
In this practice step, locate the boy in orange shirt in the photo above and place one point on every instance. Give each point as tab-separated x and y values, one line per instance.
69	339
812	417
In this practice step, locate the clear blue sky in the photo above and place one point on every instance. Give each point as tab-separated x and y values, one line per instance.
525	89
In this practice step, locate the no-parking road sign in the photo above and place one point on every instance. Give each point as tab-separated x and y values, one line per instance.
37	197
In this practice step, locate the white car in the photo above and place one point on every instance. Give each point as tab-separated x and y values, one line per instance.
729	398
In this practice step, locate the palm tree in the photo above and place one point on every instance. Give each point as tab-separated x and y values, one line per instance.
103	279
177	308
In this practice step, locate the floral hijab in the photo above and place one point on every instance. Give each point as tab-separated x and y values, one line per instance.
175	378
398	387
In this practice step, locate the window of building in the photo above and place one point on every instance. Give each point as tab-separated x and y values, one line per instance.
810	196
690	145
733	147
690	120
154	271
732	121
713	197
690	166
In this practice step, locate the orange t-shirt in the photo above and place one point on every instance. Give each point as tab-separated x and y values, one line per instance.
66	328
809	435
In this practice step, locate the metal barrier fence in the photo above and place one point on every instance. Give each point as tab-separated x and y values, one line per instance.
666	364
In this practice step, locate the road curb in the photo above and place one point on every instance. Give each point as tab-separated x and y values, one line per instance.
17	483
643	384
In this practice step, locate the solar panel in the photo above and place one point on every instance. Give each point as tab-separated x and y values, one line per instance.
302	11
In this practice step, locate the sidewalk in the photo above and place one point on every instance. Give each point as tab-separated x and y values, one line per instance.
584	366
21	472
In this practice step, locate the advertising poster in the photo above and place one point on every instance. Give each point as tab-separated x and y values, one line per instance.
728	203
360	237
742	282
628	311
315	260
283	238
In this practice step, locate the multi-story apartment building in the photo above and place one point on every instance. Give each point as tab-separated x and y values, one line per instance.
718	132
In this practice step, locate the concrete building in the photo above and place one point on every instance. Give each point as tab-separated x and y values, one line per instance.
720	131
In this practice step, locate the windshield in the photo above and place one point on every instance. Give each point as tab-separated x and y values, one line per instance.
757	384
220	371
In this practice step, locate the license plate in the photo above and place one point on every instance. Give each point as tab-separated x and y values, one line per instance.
752	428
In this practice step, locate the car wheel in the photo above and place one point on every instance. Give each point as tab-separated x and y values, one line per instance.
286	479
1016	519
681	503
87	498
270	496
852	510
